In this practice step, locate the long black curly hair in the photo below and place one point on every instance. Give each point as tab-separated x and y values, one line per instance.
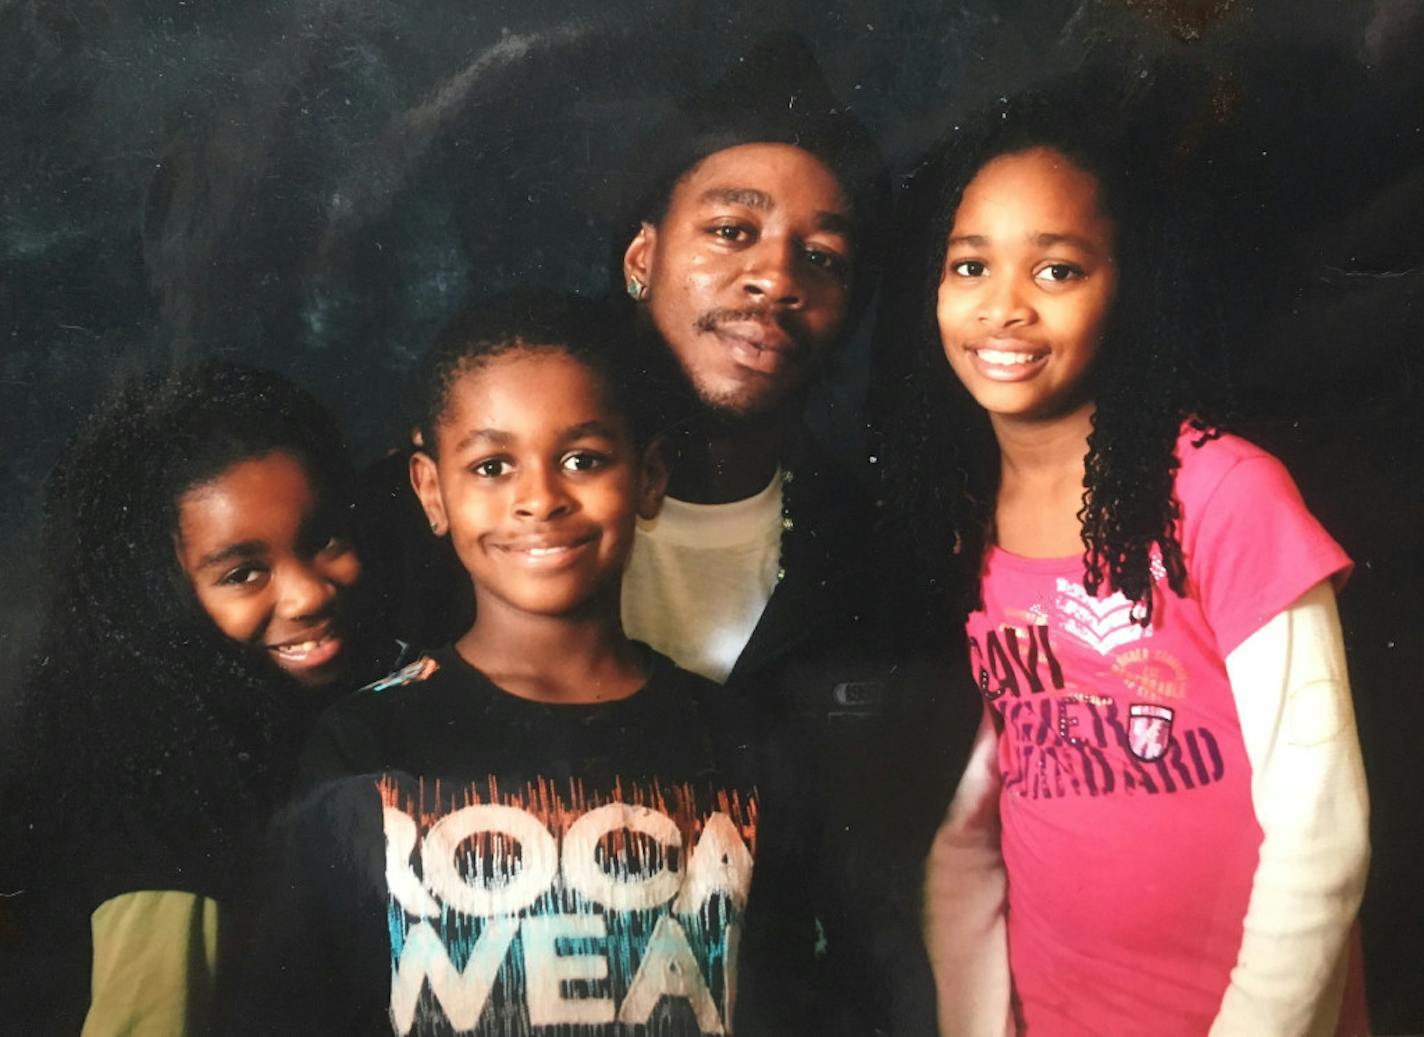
1158	365
137	711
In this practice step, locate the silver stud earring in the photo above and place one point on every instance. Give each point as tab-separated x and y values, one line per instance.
637	290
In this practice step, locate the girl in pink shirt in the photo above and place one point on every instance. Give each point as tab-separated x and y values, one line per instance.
1163	827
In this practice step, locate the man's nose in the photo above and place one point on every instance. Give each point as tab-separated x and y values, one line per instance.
774	274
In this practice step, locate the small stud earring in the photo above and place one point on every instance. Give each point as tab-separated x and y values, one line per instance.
435	528
637	290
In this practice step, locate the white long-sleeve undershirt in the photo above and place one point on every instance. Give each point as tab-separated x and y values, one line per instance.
1308	789
966	889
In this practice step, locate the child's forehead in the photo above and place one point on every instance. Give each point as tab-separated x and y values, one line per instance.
1029	175
535	387
1036	192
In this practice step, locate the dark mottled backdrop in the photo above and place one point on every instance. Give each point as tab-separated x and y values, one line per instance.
314	185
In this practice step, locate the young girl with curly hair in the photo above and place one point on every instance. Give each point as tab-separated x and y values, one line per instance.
1163	828
203	611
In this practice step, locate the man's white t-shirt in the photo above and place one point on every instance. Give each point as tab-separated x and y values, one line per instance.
700	576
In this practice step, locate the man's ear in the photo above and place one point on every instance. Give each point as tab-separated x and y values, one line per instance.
653	472
424	480
641	253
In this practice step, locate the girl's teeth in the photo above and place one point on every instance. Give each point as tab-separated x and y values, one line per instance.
301	649
994	356
539	552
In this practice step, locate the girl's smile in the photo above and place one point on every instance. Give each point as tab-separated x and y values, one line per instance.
1028	283
1007	360
267	564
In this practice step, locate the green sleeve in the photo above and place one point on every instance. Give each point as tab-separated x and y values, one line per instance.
155	965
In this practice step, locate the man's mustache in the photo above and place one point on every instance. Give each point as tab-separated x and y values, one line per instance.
784	319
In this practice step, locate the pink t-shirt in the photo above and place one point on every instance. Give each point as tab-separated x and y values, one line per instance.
1128	830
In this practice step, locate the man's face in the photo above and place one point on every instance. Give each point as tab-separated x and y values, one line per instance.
748	273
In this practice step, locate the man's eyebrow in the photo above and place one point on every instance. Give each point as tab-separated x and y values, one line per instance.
231	553
748	196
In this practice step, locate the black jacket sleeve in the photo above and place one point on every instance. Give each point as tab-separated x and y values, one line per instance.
319	964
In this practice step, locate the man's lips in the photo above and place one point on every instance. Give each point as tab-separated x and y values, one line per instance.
761	334
756	345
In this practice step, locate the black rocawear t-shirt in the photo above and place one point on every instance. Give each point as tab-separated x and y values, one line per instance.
467	861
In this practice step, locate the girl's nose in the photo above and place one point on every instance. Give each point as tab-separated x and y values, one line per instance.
1005	304
305	590
540	494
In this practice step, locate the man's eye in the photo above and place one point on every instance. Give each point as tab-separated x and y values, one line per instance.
583	461
968	268
243	575
490	468
731	231
1060	273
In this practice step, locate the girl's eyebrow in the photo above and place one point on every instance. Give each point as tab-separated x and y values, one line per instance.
1076	240
232	552
1043	239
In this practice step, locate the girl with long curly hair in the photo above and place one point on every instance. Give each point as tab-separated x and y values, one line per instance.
1163	827
203	612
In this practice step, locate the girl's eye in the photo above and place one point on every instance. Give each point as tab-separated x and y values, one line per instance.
1059	273
583	461
490	467
825	259
334	545
968	268
243	576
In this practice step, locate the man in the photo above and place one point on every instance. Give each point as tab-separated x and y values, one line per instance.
749	256
752	255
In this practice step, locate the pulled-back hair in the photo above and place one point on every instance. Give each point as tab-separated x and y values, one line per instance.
136	705
597	335
1155	368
